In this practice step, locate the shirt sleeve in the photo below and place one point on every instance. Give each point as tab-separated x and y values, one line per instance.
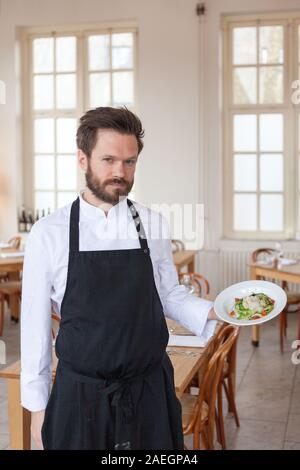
36	342
188	310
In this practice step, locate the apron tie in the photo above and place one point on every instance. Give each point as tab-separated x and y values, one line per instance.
125	398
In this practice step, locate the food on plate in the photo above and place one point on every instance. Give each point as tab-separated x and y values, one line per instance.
252	307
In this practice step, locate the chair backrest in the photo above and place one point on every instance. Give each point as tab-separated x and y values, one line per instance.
221	336
212	377
197	283
15	242
177	245
262	253
55	325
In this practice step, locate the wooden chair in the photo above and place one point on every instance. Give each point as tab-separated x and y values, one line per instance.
198	283
199	413
55	325
177	245
7	291
292	298
15	242
227	382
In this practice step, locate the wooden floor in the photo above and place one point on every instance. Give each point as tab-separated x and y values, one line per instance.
267	395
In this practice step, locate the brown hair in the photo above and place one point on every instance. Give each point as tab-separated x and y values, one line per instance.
118	119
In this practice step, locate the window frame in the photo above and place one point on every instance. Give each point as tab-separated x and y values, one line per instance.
287	108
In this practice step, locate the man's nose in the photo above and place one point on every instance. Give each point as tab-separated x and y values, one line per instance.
118	170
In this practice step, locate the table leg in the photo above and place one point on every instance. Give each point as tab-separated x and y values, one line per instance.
19	418
255	335
255	328
14	303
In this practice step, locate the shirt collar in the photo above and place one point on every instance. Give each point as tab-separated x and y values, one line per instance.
93	212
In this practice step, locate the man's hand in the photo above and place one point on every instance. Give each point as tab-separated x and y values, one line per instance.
37	419
212	315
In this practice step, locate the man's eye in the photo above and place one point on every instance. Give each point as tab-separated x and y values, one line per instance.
108	160
130	162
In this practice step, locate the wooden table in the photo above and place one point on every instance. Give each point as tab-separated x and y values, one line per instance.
283	273
185	258
12	266
185	367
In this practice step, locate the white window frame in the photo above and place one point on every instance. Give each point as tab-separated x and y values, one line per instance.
290	21
81	32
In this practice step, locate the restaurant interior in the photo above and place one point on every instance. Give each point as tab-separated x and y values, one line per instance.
216	85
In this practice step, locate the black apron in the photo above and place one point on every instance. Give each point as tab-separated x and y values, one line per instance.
114	384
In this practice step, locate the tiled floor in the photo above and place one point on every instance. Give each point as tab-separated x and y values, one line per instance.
268	391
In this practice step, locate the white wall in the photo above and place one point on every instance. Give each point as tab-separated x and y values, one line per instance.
178	99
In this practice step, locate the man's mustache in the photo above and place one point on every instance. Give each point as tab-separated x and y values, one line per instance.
117	180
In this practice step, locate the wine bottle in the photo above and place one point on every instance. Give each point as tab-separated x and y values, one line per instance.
29	222
22	220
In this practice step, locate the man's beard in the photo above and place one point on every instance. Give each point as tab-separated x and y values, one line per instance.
98	188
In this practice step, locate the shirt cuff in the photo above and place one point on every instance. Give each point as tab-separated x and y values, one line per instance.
194	314
35	391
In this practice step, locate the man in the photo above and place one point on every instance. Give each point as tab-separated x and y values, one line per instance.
105	265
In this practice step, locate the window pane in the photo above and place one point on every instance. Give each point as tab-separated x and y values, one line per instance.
271	172
66	91
44	135
271	84
44	201
66	135
271	44
44	172
122	88
271	132
244	45
245	212
66	54
244	85
122	50
43	55
99	52
244	131
43	92
245	173
271	212
66	172
99	89
64	198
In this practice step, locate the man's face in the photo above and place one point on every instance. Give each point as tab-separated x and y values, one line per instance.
110	170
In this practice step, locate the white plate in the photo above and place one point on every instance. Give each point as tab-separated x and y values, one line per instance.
224	302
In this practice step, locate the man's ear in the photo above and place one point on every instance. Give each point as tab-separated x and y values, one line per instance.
82	160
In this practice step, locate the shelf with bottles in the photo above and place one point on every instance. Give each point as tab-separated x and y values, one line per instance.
27	218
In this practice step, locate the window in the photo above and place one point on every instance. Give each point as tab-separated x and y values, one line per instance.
68	73
261	130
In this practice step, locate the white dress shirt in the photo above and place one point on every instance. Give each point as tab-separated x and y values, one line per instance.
45	275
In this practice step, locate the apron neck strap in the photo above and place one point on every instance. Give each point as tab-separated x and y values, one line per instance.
138	225
74	226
